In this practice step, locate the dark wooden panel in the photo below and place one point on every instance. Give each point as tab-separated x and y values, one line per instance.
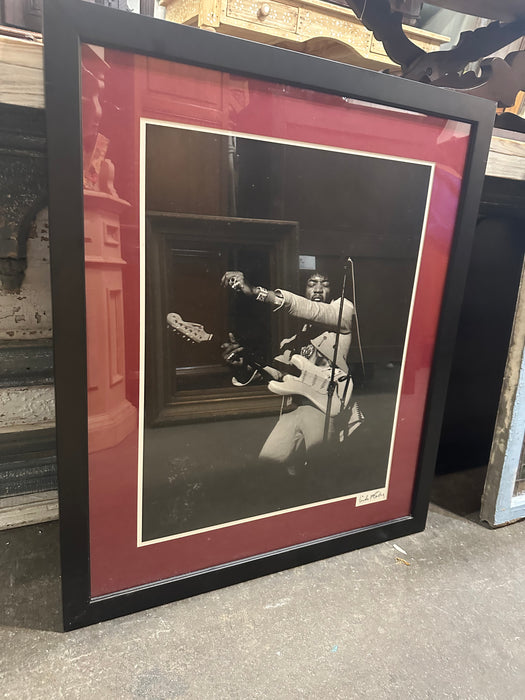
186	258
26	363
482	342
27	462
23	186
186	170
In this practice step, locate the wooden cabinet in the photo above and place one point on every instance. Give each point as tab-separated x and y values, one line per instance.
309	26
270	15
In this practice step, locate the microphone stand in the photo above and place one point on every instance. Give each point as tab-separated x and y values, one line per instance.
331	384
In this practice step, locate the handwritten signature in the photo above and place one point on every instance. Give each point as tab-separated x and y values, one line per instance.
370	497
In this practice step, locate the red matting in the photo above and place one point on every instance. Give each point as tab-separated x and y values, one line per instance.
139	87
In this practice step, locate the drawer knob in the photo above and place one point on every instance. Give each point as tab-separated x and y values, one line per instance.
264	11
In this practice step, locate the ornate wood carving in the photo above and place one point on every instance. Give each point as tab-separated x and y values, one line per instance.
500	80
23	186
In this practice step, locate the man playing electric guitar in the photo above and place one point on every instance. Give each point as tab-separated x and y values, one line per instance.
311	351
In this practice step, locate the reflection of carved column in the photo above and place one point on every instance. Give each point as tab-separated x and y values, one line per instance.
111	416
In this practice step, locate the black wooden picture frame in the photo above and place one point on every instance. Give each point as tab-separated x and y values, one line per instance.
69	24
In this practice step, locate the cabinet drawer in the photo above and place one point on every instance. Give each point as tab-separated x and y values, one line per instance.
264	14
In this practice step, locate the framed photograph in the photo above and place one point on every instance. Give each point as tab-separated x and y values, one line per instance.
504	494
258	259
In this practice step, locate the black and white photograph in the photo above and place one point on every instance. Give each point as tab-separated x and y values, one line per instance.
279	278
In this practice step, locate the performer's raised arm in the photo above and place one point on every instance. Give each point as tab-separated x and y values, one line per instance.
308	309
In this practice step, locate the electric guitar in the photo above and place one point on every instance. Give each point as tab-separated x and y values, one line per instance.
193	332
312	383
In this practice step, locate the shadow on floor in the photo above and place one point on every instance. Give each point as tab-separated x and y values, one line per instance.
30	559
30	578
460	492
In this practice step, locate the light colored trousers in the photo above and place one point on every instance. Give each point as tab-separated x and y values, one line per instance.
302	427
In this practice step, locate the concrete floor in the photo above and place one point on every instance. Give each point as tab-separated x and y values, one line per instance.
361	625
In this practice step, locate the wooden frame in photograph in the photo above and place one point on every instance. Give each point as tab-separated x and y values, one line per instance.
504	494
258	260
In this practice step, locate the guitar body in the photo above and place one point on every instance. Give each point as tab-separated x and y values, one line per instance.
312	383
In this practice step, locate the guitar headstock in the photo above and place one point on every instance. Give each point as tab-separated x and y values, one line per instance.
193	332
